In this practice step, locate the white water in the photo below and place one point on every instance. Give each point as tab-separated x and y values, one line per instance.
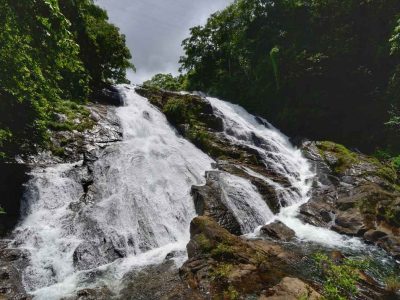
281	157
142	203
141	207
244	201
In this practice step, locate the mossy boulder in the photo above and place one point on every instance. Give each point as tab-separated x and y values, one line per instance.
353	194
224	266
343	161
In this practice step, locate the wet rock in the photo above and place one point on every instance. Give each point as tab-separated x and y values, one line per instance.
374	235
109	95
279	231
292	289
159	282
223	264
350	222
208	202
89	255
354	195
12	261
100	293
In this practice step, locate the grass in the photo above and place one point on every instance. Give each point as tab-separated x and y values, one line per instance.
392	284
222	271
340	278
223	251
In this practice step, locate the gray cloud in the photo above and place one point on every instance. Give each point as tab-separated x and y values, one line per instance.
155	29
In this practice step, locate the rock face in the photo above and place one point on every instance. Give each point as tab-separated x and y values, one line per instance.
12	177
224	266
354	195
77	146
11	262
208	202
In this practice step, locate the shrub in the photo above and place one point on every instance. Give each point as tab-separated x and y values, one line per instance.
340	279
392	284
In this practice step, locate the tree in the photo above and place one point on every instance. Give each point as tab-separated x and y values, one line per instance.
329	79
166	82
103	49
45	65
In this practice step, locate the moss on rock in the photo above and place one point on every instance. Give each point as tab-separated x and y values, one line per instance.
337	156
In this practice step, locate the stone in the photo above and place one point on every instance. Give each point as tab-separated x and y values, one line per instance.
292	289
353	194
220	262
208	202
278	231
109	95
374	235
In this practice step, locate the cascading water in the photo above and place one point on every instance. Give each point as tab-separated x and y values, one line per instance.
141	202
140	206
282	158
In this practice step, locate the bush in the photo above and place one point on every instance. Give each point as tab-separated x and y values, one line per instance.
52	53
166	82
392	284
340	279
396	162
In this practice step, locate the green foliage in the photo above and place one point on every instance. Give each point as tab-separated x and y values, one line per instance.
396	162
231	294
176	110
340	278
344	157
103	50
222	271
392	284
166	82
329	72
395	40
2	211
44	65
223	251
203	242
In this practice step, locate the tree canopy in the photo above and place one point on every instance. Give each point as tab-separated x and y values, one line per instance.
322	69
167	82
53	53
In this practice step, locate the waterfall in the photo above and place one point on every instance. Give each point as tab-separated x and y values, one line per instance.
282	158
141	202
139	206
274	147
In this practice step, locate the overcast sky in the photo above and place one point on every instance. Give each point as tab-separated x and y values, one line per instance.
155	29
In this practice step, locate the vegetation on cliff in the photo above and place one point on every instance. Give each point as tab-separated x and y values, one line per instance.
319	69
53	55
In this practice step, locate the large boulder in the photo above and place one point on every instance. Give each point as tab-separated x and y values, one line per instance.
292	289
278	231
225	266
109	95
208	202
354	194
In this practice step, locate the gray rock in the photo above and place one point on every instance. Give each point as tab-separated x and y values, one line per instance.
353	196
278	231
208	202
